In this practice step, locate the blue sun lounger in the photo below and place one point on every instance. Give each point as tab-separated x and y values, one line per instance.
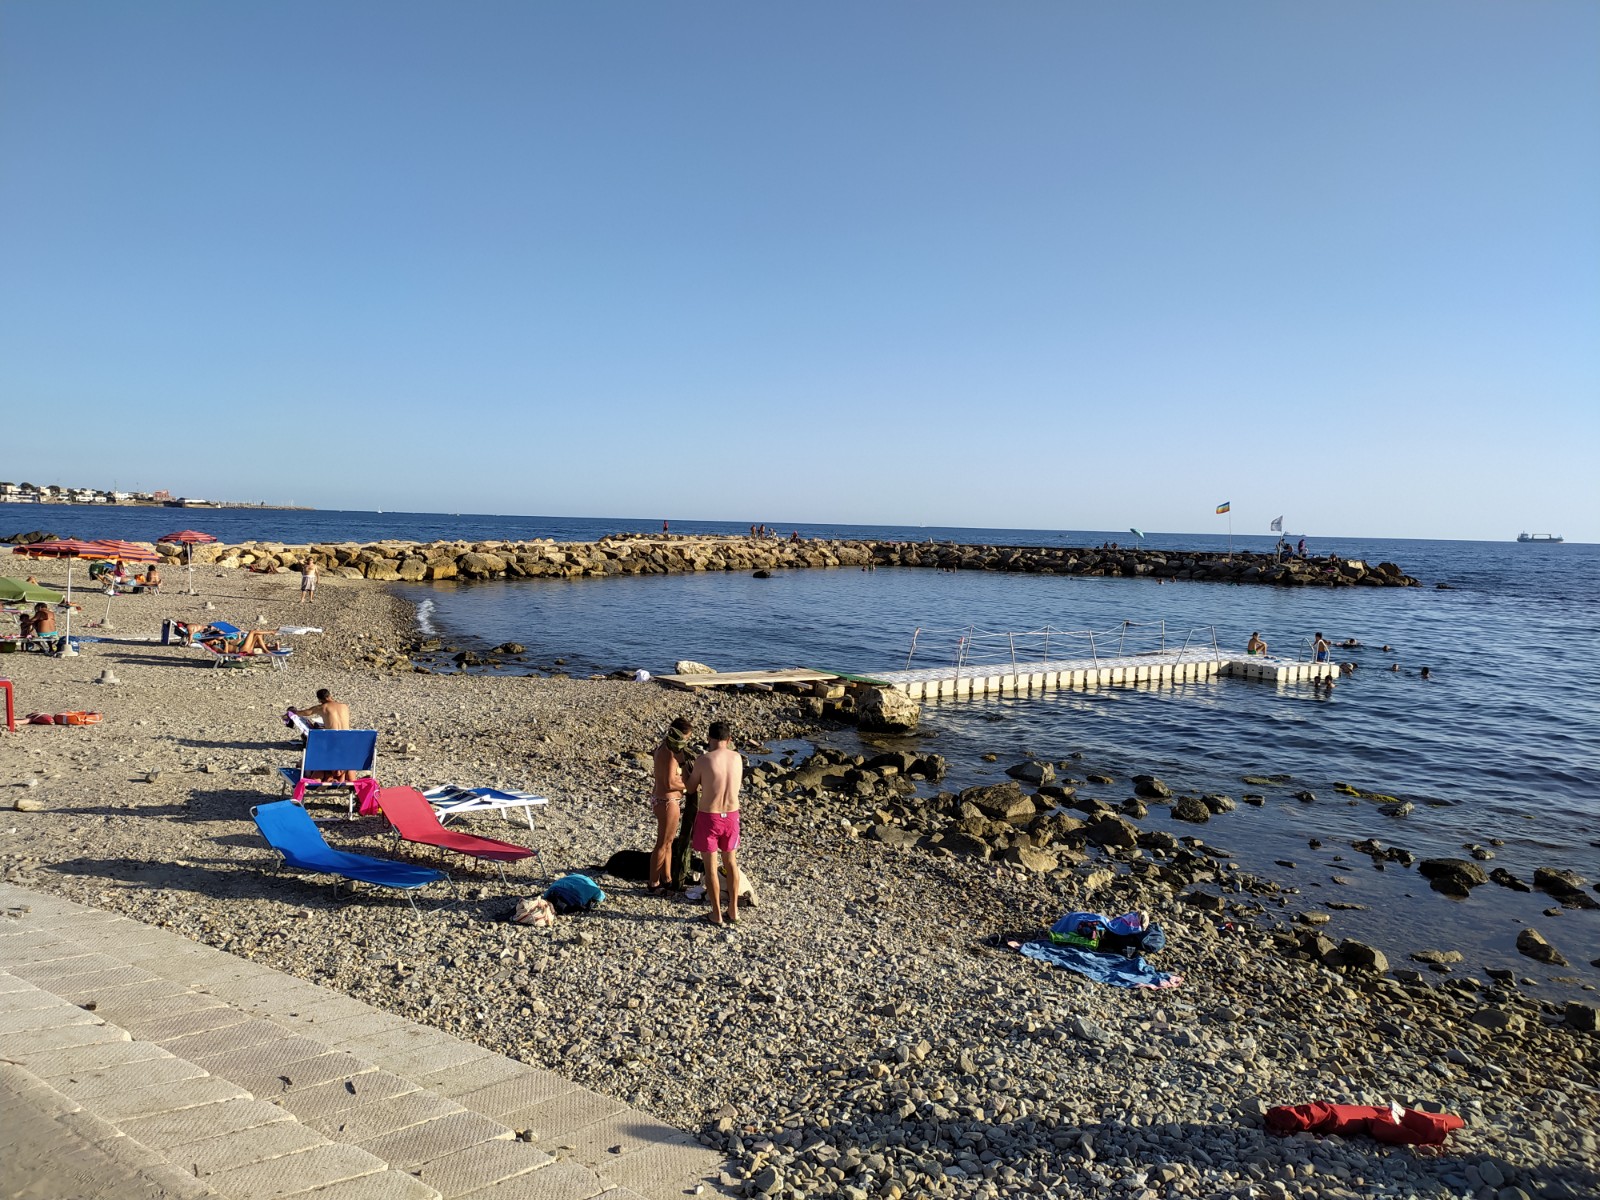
334	750
292	833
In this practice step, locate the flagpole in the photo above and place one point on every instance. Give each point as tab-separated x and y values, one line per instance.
1230	533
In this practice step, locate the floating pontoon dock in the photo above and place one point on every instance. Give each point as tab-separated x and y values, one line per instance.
1155	669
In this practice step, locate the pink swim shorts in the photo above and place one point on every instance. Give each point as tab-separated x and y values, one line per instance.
715	831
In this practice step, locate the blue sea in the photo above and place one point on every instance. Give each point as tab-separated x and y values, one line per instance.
1500	745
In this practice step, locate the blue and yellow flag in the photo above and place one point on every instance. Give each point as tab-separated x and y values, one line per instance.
1224	506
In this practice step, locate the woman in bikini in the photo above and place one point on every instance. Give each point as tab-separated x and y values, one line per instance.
666	801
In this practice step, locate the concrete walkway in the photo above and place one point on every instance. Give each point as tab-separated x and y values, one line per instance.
137	1064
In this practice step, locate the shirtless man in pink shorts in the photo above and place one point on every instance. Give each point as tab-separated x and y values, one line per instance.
717	775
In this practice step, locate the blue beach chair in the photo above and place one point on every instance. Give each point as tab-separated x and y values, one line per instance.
334	750
292	833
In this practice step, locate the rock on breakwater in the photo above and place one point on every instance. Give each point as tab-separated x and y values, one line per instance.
634	554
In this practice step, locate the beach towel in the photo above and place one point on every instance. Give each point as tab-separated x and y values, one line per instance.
1111	969
1394	1125
366	791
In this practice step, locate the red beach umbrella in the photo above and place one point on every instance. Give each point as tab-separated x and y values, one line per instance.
69	549
189	539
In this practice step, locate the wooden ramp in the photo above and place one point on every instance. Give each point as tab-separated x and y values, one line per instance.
738	678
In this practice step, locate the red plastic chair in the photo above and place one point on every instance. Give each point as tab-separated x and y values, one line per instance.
413	819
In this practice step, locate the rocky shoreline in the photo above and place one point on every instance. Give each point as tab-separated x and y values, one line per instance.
640	554
865	1031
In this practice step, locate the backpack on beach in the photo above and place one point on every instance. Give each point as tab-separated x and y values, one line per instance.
574	893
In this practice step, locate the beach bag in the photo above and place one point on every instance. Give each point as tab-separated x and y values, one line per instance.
574	893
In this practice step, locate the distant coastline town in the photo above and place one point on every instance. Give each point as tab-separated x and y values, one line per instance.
50	493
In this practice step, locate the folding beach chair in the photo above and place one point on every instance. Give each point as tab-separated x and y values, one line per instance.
450	801
413	819
293	834
333	750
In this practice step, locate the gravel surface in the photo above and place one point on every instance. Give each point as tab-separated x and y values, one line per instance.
865	1031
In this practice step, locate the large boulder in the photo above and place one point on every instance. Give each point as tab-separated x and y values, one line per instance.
1036	773
886	710
1565	886
1151	788
1362	957
1001	801
688	666
1187	808
1531	942
1452	876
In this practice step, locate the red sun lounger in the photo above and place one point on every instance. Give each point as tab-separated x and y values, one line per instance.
413	819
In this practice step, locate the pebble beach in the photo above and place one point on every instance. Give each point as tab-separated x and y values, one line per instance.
865	1030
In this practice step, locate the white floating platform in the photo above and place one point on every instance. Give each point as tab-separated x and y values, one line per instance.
1155	669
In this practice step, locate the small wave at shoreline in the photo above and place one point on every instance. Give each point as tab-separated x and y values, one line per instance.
424	614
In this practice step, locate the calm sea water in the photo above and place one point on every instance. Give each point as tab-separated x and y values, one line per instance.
1503	742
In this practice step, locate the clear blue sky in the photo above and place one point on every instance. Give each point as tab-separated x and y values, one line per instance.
1081	265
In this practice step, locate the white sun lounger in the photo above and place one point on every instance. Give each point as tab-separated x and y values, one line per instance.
449	801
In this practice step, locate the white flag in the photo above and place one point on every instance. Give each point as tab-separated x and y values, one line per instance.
1277	525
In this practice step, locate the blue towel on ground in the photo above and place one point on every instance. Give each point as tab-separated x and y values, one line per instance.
1102	968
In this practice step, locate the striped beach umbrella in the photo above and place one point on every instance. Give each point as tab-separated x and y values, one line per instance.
122	552
70	549
189	539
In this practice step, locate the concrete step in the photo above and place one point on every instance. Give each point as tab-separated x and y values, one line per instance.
256	1083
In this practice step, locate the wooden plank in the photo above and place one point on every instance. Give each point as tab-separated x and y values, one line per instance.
735	678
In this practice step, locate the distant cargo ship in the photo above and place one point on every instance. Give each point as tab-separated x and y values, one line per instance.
1539	537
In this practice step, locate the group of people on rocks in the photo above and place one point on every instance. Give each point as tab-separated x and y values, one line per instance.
695	800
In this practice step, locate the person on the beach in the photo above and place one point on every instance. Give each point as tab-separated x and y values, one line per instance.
44	621
1255	645
152	579
326	713
716	777
254	642
308	581
1301	548
1320	648
666	800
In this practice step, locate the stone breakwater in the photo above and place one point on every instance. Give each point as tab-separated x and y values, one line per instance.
631	554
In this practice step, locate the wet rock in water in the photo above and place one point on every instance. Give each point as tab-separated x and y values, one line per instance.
1452	876
1507	880
1134	808
1362	957
1531	943
1400	808
1002	801
1306	797
1107	830
1254	799
1036	773
886	710
1582	1016
1218	803
1103	780
510	648
1436	957
1565	886
761	574
1187	808
1151	788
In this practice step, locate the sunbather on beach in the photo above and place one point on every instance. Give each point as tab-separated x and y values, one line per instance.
254	642
326	713
43	623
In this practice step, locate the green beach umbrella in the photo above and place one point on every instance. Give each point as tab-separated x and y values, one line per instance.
1138	533
20	590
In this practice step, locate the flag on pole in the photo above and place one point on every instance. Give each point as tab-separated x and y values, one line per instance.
1277	525
1224	507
